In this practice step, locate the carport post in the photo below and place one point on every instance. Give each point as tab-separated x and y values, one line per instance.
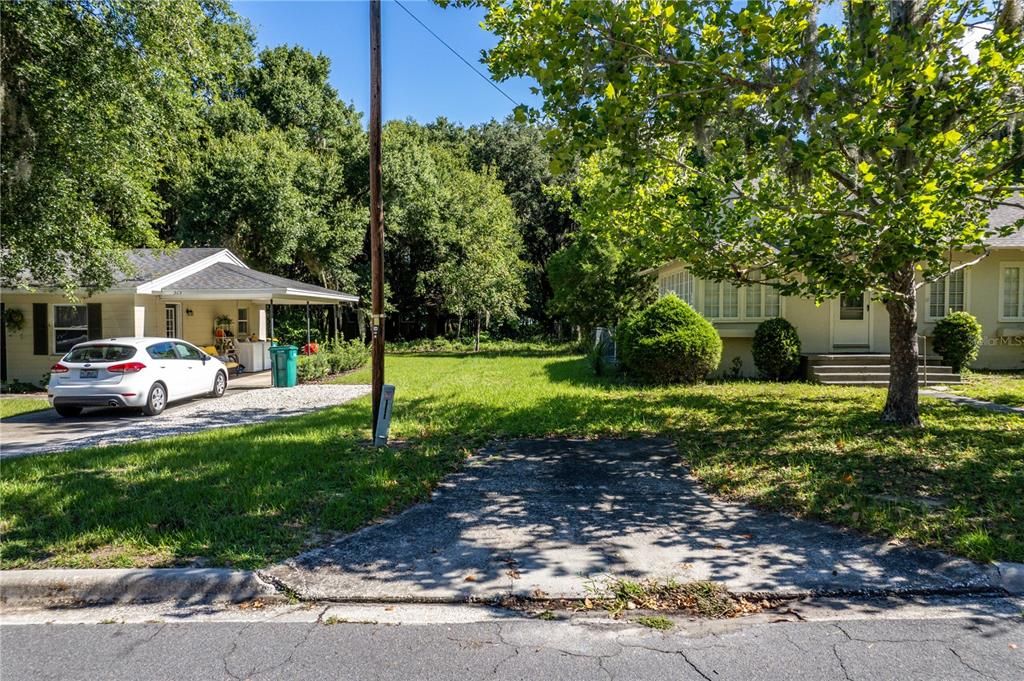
307	322
271	317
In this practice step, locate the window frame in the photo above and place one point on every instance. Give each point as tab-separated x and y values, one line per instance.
945	294
243	322
1019	265
700	288
54	328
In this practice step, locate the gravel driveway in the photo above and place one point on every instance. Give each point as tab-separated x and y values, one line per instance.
46	432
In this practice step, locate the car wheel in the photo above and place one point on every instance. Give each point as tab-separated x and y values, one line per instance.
66	411
220	384
157	400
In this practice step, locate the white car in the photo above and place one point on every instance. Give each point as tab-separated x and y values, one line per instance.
144	373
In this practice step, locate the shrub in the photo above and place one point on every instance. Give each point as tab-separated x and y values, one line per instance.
668	342
957	339
776	349
345	356
312	367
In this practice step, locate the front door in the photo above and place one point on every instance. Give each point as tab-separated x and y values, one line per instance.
171	328
851	329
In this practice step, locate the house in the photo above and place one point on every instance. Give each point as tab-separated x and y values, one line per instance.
206	296
848	336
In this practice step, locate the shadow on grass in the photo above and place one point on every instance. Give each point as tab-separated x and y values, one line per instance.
249	497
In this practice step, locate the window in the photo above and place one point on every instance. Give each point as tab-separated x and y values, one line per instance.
101	353
186	351
243	321
851	306
763	301
70	327
162	351
1011	291
680	283
946	295
721	300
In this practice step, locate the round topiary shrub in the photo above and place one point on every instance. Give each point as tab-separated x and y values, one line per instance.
776	349
957	339
668	342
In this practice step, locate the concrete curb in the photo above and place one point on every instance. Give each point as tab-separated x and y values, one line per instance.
1007	576
184	586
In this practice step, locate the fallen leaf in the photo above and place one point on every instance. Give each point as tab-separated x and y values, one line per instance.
470	578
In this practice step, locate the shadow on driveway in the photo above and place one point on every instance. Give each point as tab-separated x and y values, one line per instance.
548	517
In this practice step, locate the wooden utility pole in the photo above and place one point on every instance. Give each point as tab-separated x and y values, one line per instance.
376	218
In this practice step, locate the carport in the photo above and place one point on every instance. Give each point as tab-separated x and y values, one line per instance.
209	297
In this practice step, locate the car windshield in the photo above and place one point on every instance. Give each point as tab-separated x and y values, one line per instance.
100	353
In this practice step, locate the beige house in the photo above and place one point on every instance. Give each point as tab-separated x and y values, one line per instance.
992	290
206	296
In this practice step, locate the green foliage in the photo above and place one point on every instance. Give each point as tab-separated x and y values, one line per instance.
345	356
594	284
957	337
312	368
101	102
753	143
668	342
776	349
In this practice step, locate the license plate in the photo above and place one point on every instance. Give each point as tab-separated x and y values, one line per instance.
87	373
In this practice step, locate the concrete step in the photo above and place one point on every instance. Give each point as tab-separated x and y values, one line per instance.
859	359
881	379
885	383
853	368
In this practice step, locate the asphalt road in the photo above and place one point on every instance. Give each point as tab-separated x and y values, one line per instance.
976	642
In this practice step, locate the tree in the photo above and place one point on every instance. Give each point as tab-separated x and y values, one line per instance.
282	177
760	146
516	153
484	275
100	101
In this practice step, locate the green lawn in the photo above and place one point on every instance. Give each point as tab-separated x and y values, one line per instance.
1001	387
12	406
249	496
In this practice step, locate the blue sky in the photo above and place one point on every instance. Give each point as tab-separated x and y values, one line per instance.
422	79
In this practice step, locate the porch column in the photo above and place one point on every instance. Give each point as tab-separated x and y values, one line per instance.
307	322
140	321
261	322
271	318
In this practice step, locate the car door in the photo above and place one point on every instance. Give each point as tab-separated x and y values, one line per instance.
165	368
193	368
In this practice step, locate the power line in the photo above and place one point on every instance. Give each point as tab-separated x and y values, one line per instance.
461	58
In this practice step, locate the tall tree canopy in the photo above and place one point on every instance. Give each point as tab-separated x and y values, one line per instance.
759	145
281	177
100	102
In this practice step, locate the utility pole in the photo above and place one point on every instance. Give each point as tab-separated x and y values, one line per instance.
376	218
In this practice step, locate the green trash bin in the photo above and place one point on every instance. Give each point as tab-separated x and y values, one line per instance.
284	365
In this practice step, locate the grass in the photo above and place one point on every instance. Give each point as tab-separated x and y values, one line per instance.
654	622
246	497
12	406
1001	387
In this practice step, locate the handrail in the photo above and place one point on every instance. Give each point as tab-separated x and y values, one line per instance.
924	353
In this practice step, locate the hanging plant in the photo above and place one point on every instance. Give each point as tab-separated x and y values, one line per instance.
14	320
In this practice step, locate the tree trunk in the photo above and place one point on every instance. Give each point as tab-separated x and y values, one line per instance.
901	405
476	343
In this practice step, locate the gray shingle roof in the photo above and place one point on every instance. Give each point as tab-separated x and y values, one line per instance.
1007	215
148	263
229	277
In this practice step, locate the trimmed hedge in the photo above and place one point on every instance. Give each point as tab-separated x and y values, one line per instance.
668	342
332	358
776	349
957	339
